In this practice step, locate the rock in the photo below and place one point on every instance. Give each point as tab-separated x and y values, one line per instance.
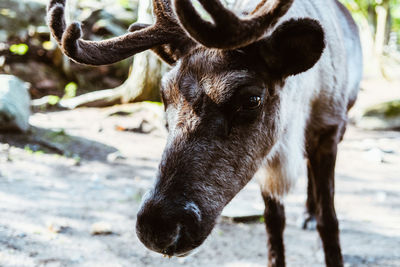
101	228
144	127
388	146
45	79
14	104
57	227
383	116
115	157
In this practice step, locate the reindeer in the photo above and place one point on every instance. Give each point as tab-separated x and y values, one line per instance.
260	91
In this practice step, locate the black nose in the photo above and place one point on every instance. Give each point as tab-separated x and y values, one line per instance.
169	227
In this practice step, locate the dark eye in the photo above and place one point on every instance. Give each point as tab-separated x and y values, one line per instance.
251	102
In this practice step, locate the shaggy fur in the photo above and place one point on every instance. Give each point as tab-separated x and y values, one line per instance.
257	95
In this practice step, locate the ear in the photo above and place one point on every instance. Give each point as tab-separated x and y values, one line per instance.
170	53
294	47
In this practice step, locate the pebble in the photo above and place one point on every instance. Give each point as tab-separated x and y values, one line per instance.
56	227
21	235
115	156
101	228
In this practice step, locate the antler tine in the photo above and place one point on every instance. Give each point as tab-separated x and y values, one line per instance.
143	37
228	31
57	26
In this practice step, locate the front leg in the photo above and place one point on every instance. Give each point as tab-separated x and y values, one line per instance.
274	216
322	160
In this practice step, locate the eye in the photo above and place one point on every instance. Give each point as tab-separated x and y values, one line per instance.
251	102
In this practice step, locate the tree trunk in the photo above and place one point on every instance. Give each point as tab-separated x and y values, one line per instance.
370	57
144	81
142	84
382	15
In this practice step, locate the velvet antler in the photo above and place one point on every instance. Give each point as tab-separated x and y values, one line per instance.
166	30
228	31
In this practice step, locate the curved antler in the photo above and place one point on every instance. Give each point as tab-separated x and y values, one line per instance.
142	36
228	31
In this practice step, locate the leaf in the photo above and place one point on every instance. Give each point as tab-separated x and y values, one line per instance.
48	45
19	49
53	100
70	90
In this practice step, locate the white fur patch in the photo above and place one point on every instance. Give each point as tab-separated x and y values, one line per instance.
286	162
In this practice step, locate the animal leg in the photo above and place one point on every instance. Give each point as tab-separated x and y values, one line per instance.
274	216
322	165
308	220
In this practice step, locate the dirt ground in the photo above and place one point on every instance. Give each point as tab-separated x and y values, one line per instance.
49	201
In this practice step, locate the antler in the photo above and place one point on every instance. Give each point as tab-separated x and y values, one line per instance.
142	36
228	31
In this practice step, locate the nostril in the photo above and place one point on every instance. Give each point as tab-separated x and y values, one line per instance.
193	209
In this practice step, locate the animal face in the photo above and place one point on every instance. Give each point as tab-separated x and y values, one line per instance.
222	103
222	111
221	125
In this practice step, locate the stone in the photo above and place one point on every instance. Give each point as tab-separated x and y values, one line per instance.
101	228
57	227
115	157
14	104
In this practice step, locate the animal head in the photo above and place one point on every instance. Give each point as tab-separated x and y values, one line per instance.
221	99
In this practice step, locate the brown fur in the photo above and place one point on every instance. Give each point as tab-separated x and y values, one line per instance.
256	94
275	224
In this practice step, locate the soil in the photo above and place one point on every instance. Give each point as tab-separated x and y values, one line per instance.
81	167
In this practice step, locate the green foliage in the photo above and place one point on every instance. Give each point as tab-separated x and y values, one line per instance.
48	45
8	13
396	17
367	9
33	151
56	134
19	49
28	149
388	110
53	100
59	137
124	3
70	90
154	102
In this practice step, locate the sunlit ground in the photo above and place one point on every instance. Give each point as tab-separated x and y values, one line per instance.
49	203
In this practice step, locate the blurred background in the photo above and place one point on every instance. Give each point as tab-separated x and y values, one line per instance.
80	145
